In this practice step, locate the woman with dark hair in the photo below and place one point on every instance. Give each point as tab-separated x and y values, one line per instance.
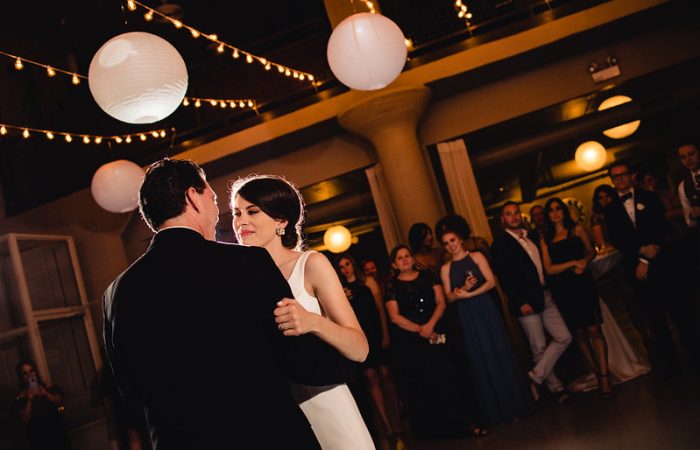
365	298
603	195
420	239
268	212
566	251
468	281
40	406
436	400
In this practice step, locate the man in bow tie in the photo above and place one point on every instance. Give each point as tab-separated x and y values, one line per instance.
638	227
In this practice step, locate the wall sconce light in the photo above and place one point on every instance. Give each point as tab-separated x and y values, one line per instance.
600	73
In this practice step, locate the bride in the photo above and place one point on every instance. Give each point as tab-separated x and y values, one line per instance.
268	212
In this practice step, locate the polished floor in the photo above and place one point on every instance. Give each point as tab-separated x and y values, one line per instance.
645	414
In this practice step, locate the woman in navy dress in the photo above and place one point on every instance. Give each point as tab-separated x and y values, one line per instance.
566	251
499	383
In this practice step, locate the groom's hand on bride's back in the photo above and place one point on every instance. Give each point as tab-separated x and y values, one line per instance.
293	319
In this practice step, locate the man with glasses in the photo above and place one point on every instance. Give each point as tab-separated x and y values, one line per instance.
638	228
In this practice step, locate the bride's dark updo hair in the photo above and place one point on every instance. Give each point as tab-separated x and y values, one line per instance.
276	197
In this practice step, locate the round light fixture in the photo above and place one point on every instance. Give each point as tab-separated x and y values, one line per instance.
591	156
337	239
366	51
138	78
624	130
115	186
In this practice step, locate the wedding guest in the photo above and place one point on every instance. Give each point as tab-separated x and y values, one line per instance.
650	181
638	227
420	239
566	252
537	218
519	268
468	282
366	300
689	188
370	269
471	243
40	406
602	197
435	396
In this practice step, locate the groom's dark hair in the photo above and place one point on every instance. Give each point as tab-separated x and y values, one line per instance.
162	194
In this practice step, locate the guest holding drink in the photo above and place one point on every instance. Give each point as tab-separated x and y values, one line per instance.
468	280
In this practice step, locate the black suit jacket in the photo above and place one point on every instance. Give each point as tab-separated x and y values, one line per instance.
651	226
190	335
517	274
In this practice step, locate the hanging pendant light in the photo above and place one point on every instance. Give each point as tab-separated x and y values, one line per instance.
138	78
367	51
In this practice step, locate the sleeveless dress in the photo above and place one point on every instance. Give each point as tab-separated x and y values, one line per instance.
576	296
362	302
331	410
499	383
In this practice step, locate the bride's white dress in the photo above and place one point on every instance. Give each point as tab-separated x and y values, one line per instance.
331	410
623	362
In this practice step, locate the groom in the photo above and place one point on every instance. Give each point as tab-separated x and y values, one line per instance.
190	333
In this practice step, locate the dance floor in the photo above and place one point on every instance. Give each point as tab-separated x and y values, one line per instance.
644	414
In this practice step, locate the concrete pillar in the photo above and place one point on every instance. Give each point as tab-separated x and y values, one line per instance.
389	120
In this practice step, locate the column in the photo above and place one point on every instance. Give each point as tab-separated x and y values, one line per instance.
388	118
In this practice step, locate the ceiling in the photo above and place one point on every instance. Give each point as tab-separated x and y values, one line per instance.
67	33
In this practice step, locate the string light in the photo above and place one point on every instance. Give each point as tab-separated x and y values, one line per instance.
26	132
463	13
220	102
222	46
50	71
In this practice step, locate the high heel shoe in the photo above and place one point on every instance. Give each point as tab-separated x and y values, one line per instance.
605	395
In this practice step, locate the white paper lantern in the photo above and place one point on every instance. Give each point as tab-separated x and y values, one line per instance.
366	51
591	156
624	130
138	78
115	186
337	239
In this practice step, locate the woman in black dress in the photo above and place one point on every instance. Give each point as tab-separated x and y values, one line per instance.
566	252
365	297
436	398
40	406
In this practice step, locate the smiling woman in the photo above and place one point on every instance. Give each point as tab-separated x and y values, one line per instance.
268	212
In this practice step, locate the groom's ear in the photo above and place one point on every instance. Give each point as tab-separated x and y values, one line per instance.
192	199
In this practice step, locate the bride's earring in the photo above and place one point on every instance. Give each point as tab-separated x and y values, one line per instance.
280	231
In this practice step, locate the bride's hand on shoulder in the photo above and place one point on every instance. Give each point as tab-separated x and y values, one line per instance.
292	319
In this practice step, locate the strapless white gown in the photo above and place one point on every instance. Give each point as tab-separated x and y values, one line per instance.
331	410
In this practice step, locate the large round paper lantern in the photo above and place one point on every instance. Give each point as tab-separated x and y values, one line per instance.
591	156
138	78
366	51
115	186
337	239
624	130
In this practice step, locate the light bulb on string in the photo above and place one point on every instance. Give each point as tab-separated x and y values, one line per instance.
98	140
86	140
128	139
49	135
75	80
25	133
3	130
69	138
18	64
142	137
50	71
148	16
118	140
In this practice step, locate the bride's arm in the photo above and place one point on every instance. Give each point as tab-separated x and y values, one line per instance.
340	329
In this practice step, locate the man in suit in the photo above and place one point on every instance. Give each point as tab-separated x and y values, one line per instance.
637	226
519	268
689	188
190	333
